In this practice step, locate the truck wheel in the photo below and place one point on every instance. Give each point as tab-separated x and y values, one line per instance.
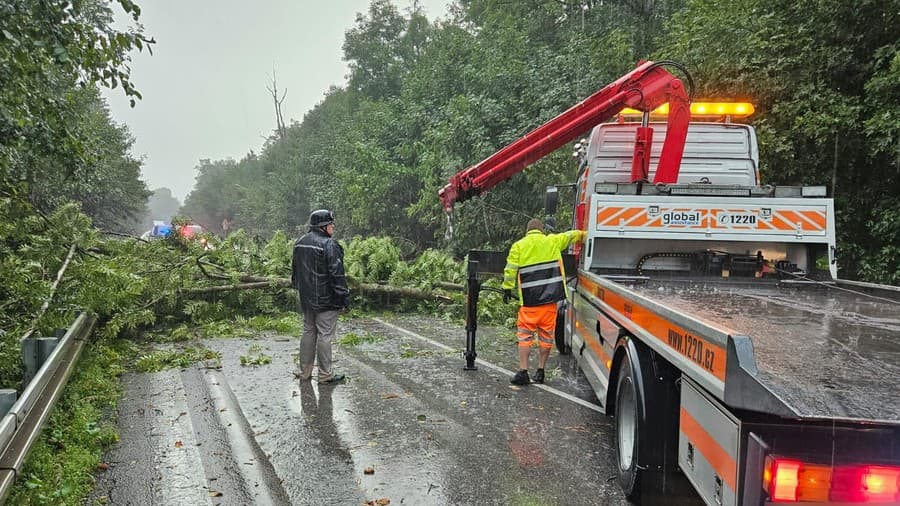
559	334
627	429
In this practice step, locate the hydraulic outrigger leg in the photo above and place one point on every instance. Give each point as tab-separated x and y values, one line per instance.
473	287
484	262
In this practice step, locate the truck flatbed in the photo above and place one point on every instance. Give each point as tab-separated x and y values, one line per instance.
825	352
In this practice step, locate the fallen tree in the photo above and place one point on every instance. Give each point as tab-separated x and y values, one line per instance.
249	282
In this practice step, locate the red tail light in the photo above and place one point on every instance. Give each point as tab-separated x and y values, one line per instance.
788	480
866	484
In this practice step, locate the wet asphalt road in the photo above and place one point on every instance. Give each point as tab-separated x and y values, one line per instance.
430	432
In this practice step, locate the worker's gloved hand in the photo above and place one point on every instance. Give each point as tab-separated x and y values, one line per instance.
507	296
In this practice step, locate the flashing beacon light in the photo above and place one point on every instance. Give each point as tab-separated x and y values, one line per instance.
700	109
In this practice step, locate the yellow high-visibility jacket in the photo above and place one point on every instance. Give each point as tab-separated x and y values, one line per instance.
535	265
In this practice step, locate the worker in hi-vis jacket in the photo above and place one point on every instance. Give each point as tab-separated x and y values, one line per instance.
535	265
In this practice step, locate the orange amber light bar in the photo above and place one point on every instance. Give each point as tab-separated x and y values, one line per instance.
733	109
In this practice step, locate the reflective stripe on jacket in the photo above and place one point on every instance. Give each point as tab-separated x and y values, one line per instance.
535	265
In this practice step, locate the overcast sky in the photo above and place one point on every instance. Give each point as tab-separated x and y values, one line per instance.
204	87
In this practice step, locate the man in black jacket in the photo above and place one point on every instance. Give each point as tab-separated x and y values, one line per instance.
317	272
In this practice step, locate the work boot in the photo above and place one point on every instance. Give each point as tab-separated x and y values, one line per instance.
539	376
334	379
521	378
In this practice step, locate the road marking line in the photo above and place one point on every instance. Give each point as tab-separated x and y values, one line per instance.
497	368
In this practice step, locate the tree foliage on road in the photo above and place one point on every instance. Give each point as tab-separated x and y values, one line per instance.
132	284
425	100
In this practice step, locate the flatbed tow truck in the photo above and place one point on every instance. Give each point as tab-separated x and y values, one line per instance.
706	311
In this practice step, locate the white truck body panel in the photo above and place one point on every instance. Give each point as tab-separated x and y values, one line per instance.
721	153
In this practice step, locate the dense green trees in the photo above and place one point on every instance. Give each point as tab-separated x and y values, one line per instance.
426	100
824	76
105	181
57	141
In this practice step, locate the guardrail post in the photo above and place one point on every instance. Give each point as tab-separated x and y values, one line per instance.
7	399
35	351
29	359
45	347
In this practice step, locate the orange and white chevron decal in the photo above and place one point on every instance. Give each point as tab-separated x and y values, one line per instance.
777	219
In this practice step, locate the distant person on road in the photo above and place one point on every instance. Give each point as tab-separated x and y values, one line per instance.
535	265
317	272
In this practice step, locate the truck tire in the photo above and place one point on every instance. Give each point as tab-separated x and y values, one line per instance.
628	429
646	411
562	345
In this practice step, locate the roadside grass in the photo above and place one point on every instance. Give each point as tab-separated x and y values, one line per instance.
60	465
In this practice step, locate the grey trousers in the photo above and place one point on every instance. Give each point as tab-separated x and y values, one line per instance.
318	332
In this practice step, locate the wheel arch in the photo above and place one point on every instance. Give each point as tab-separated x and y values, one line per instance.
627	346
656	385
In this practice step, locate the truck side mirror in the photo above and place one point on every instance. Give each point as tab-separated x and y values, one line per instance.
551	199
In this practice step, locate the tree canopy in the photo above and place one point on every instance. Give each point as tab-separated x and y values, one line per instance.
57	140
427	99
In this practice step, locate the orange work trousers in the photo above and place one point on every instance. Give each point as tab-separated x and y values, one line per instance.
540	319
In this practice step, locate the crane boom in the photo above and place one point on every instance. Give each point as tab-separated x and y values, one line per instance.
645	88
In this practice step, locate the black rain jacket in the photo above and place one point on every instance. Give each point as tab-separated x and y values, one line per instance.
317	272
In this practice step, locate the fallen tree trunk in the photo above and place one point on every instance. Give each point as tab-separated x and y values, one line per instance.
250	282
399	291
247	283
456	287
229	288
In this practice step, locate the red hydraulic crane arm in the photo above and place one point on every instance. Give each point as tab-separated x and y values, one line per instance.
645	88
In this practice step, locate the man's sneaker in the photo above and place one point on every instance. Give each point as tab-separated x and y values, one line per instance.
539	376
521	378
337	378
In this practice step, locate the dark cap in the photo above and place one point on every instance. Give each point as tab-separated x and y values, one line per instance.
534	224
321	218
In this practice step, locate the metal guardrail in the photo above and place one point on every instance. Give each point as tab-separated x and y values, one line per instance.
22	422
